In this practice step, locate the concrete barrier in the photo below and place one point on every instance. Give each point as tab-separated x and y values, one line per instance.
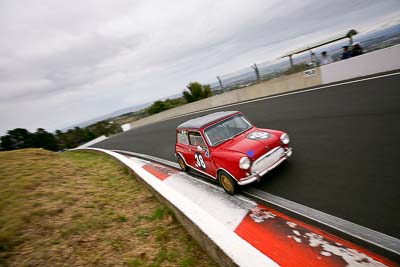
126	127
375	62
275	86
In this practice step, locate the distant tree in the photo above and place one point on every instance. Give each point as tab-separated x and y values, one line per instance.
102	128
160	106
68	139
61	139
196	91
16	139
82	135
43	139
157	107
75	137
176	102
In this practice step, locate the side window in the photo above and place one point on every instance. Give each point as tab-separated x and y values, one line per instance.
195	139
182	137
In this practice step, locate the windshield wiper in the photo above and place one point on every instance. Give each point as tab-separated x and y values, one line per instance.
223	140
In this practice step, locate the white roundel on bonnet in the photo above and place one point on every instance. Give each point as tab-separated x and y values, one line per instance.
257	135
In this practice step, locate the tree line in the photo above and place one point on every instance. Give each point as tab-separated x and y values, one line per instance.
21	138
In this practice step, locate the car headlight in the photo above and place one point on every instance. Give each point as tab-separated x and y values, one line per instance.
285	139
244	163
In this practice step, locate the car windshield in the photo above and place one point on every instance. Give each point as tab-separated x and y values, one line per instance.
226	129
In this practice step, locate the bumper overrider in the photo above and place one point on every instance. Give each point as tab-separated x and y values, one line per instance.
256	175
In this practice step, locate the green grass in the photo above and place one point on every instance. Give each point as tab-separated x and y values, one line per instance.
134	262
83	208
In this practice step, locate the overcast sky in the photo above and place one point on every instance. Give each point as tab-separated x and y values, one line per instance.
64	62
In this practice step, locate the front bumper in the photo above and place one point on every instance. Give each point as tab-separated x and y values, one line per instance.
256	176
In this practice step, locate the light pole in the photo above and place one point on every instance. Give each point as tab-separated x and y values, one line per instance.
255	68
220	83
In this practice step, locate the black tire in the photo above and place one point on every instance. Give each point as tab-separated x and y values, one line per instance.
182	164
227	183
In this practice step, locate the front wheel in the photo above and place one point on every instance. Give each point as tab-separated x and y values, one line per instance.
228	183
182	164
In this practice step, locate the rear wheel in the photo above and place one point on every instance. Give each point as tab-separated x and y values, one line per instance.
182	164
228	183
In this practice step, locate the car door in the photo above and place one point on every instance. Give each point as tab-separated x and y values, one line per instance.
199	153
182	145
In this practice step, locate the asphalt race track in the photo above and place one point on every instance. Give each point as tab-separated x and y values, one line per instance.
346	149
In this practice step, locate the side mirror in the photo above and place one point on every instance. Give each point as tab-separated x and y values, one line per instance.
199	148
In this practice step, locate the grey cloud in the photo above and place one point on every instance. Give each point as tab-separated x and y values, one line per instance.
72	67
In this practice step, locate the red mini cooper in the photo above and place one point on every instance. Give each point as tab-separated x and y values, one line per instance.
226	146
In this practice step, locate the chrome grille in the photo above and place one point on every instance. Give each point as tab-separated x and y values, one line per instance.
267	160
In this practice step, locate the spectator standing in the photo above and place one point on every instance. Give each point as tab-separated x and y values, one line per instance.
356	50
346	53
314	61
325	58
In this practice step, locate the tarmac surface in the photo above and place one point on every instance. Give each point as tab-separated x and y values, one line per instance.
345	142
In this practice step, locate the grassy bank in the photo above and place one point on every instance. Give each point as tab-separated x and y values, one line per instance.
82	208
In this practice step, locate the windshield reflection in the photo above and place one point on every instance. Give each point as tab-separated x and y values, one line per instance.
226	129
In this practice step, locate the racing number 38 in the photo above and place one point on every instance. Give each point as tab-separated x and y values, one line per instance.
199	161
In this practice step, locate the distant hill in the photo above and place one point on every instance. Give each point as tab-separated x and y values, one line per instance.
108	116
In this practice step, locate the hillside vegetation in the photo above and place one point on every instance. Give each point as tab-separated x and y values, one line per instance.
84	209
